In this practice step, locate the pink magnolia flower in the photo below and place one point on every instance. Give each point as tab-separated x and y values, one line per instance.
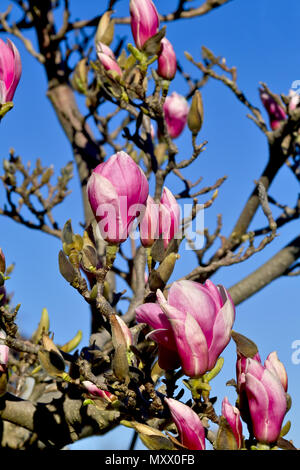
149	224
188	423
166	61
233	417
107	58
275	111
266	399
3	353
117	192
97	392
176	110
144	21
10	70
169	216
192	327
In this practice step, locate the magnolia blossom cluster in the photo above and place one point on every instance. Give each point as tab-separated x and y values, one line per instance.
10	70
191	328
144	25
262	405
118	193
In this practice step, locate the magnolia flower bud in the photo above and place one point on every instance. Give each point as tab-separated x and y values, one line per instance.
3	353
195	116
107	58
149	224
266	400
188	423
10	70
144	21
166	61
169	216
97	392
232	415
275	111
117	192
79	79
176	111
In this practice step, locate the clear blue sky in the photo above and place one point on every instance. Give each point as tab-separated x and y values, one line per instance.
259	37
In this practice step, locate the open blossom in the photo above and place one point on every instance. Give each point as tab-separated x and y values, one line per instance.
107	58
275	111
169	216
266	400
10	70
188	423
176	110
166	60
192	327
232	415
117	192
144	21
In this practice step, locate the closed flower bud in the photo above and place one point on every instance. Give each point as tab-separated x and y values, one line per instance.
144	21
3	352
107	58
176	111
275	111
97	392
232	415
169	216
79	79
117	192
10	70
120	332
149	223
195	116
166	61
267	401
192	327
188	423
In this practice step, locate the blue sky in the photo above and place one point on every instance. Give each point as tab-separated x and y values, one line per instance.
259	37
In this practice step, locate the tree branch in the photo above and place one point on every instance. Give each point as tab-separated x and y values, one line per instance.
266	273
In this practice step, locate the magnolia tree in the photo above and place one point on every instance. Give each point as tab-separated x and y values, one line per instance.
170	339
